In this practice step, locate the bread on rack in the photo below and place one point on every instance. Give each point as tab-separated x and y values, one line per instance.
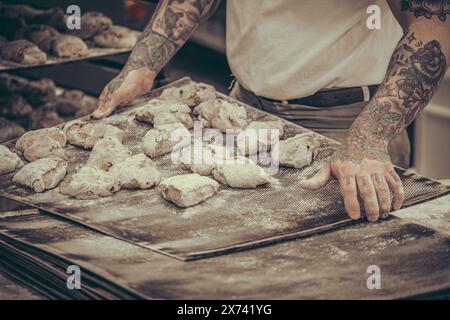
41	35
22	51
93	23
36	92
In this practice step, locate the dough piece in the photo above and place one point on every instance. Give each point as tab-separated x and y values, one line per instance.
69	47
188	190
14	106
44	148
229	116
204	160
42	174
89	104
148	112
136	172
31	137
9	130
22	51
171	118
158	141
259	137
116	37
54	17
9	161
206	111
92	23
36	92
298	151
19	11
86	135
237	174
90	183
191	94
106	153
42	118
41	35
69	102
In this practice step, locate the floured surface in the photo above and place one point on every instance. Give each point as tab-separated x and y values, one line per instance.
413	260
232	220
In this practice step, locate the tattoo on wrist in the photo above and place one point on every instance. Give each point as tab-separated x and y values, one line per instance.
172	24
427	9
413	75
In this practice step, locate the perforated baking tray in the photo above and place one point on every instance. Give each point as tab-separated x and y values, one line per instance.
230	221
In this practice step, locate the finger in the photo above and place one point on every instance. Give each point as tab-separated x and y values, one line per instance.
319	180
383	195
350	195
103	108
369	197
396	186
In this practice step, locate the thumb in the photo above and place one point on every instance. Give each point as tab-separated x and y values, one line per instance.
319	180
105	105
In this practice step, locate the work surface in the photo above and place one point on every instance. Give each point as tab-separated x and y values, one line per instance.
412	258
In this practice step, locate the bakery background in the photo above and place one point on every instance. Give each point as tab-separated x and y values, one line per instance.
72	88
203	59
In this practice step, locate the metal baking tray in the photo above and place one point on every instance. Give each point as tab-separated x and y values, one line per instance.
230	221
93	53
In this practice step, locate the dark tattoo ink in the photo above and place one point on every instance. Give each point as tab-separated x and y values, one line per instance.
428	8
413	75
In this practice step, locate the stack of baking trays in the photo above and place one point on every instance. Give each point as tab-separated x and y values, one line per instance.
108	230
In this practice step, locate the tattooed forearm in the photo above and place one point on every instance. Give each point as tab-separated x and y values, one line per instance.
172	24
414	73
427	9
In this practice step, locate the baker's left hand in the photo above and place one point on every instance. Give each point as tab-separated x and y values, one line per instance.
365	169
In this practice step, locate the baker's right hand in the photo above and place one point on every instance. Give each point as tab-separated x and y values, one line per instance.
123	89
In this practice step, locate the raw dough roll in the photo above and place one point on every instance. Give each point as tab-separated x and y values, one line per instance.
87	134
42	174
90	183
136	172
69	102
9	130
229	116
188	190
92	23
203	160
9	161
191	94
116	37
14	106
41	118
22	51
260	136
298	151
36	92
31	137
69	47
164	139
41	35
155	108
238	174
107	152
43	148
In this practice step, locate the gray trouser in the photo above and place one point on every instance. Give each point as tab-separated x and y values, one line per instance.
331	122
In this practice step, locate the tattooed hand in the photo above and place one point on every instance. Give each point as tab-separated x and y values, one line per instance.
362	164
171	26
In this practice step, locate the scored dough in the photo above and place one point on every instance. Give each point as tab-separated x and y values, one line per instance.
298	151
158	141
86	135
136	172
260	136
90	183
9	161
238	174
192	94
42	174
188	190
32	136
106	153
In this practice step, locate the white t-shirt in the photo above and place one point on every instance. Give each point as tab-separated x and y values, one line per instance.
287	49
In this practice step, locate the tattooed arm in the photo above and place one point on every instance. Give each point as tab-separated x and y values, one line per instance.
173	22
362	164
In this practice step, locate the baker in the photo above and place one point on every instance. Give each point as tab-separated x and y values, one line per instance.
317	63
